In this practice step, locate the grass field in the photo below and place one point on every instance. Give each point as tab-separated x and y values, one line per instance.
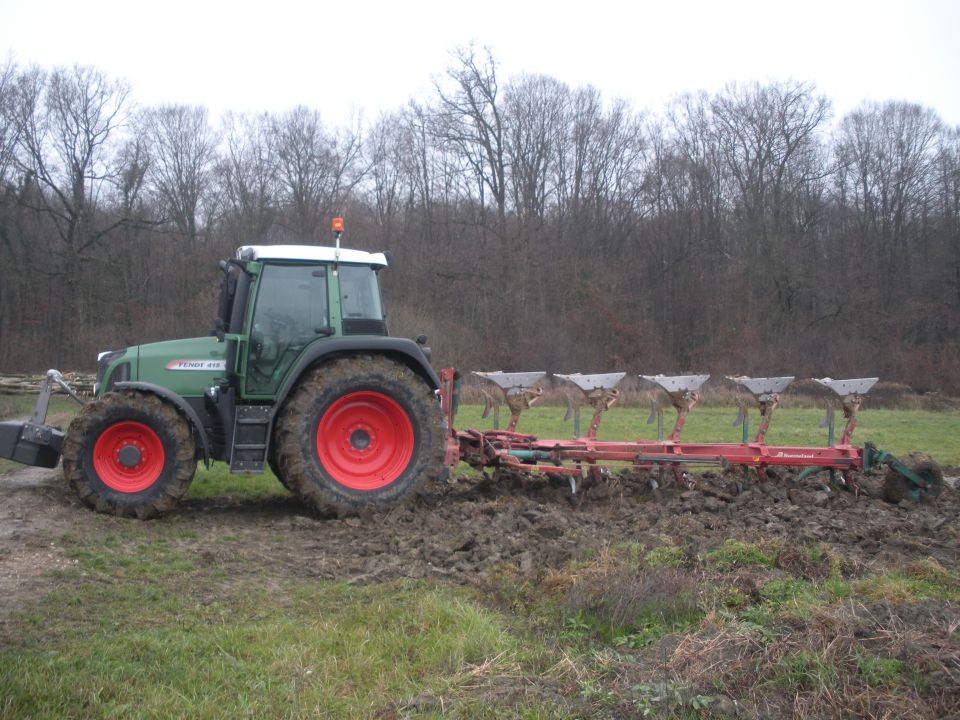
140	628
151	635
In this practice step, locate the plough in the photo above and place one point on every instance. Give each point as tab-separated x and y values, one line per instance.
586	457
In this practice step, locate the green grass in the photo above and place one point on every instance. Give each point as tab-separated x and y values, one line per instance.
141	625
897	586
736	553
144	632
804	670
880	671
12	406
217	482
666	556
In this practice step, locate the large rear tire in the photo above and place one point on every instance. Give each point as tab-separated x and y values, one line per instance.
275	467
129	454
359	433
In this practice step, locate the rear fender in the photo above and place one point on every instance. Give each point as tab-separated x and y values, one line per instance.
406	351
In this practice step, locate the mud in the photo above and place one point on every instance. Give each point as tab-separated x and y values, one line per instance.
460	531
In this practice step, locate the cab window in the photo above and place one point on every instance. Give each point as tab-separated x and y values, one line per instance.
360	304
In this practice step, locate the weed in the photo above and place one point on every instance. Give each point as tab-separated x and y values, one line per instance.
732	598
654	627
618	601
931	571
895	586
797	596
736	553
668	556
804	670
879	671
590	689
667	698
576	627
837	588
629	553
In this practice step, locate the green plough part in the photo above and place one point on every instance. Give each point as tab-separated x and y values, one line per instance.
914	477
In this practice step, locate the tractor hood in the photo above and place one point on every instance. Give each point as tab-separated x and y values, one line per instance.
187	367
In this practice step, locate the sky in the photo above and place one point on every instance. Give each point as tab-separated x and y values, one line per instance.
366	57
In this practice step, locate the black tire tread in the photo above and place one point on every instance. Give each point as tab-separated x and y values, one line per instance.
82	433
295	432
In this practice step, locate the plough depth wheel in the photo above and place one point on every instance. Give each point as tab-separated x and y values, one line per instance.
897	487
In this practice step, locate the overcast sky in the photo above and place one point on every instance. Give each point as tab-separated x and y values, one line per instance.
370	56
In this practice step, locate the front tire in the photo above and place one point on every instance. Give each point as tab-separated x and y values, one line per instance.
359	433
129	454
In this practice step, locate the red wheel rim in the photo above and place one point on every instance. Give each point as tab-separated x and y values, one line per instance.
365	440
128	457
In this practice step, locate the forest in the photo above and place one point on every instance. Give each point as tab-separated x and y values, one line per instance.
532	225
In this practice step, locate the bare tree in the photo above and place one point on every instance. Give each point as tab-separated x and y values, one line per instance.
534	109
948	173
889	154
585	110
64	122
8	125
248	177
182	148
315	170
766	134
469	119
388	145
890	186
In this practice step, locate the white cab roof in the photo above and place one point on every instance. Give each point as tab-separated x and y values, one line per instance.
314	253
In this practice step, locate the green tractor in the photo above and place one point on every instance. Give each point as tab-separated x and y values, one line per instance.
299	375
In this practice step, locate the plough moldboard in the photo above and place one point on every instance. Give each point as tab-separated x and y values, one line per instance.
585	457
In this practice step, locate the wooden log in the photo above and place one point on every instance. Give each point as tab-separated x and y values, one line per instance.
29	384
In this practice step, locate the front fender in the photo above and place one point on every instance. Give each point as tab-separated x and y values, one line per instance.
178	402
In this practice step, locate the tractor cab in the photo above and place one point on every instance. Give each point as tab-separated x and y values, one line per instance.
282	298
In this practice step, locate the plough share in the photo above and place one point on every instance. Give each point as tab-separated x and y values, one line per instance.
586	457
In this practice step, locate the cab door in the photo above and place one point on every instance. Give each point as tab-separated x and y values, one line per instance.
292	310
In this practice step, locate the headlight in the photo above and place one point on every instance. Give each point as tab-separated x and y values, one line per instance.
104	361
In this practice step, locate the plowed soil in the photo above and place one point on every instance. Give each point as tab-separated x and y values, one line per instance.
461	530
